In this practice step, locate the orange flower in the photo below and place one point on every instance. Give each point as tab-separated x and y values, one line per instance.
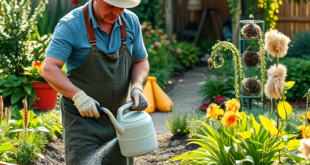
230	118
232	105
212	111
305	131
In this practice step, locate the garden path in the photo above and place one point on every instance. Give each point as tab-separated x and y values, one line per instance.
184	95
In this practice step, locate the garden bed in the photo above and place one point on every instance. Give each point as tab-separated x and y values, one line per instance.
168	146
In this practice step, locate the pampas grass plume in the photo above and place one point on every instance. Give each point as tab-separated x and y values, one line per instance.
276	43
276	80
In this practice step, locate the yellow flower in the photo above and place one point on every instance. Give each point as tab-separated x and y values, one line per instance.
6	76
212	110
308	116
232	105
231	118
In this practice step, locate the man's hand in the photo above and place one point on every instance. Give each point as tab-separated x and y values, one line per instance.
138	97
85	104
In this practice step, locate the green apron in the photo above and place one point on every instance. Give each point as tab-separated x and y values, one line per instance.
106	78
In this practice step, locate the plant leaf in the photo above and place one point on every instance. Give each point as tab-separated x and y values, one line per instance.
18	93
268	125
289	85
292	145
284	109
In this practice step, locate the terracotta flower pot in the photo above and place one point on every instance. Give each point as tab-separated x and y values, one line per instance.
47	96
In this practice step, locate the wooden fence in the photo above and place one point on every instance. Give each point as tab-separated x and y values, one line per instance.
293	18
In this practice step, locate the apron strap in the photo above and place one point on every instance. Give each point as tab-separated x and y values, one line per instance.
90	30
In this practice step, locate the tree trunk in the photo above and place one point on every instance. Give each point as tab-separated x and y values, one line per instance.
168	18
235	27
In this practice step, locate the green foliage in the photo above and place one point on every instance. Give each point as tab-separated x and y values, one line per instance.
161	54
292	124
150	11
217	86
16	49
206	45
234	5
246	143
16	147
177	123
298	71
16	87
195	123
299	47
188	55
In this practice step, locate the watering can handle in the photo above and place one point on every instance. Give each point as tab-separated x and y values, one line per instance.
126	106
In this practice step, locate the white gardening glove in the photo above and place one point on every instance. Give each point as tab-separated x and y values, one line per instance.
138	97
85	104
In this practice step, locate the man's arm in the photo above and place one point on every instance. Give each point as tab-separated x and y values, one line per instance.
140	71
53	74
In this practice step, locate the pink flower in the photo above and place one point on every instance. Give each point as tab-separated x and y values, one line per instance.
143	27
157	44
178	51
219	99
75	2
159	32
148	34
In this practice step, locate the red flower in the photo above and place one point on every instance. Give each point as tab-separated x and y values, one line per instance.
205	106
219	99
36	64
75	2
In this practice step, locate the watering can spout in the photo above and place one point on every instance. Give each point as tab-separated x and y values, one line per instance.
119	128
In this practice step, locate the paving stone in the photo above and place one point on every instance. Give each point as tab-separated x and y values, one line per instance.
184	95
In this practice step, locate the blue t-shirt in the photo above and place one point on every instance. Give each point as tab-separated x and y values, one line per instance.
70	40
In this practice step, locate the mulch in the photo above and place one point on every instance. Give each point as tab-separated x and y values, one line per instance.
169	146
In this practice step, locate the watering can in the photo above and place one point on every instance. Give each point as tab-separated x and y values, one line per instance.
135	130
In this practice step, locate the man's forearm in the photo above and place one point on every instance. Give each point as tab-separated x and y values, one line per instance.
59	81
140	72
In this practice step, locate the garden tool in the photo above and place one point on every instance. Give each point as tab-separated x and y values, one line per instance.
135	130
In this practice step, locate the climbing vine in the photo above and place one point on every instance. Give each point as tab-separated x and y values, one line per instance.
234	5
262	53
271	7
223	46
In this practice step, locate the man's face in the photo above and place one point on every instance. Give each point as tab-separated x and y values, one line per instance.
106	12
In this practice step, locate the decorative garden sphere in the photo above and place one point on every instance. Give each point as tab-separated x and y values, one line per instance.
251	86
250	30
251	58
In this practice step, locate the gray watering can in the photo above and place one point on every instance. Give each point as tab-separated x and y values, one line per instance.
135	130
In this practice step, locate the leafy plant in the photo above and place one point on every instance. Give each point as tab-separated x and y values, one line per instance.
177	123
299	48
246	143
150	10
217	86
161	54
17	87
16	27
188	55
298	71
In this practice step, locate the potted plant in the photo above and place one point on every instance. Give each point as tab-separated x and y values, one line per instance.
17	49
46	95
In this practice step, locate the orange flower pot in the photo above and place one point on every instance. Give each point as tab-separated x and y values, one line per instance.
47	96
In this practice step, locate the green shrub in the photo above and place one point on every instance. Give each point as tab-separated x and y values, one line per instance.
188	55
298	70
300	47
206	45
177	123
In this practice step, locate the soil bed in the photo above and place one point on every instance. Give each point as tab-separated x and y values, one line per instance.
169	146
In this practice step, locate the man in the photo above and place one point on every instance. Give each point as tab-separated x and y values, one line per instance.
103	48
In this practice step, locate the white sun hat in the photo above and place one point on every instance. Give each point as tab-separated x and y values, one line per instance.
124	3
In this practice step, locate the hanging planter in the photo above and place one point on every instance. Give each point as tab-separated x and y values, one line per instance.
251	58
251	86
47	96
250	30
